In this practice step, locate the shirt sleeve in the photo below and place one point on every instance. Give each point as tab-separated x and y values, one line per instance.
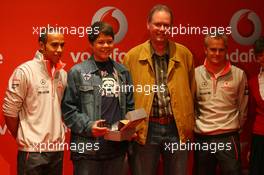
15	93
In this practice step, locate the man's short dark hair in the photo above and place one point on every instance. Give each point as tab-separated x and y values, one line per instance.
98	28
43	36
259	45
157	8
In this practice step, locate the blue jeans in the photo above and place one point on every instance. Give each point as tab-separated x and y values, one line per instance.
144	159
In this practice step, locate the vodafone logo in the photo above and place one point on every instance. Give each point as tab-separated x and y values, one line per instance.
115	18
246	26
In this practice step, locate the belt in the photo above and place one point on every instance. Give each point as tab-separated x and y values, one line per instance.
162	120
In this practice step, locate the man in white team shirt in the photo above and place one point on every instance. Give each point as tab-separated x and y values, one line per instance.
221	98
32	108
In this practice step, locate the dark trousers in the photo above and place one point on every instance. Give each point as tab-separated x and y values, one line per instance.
35	163
222	150
115	166
257	155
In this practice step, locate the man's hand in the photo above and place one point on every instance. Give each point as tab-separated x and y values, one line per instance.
98	131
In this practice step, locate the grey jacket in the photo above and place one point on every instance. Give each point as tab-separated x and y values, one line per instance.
221	101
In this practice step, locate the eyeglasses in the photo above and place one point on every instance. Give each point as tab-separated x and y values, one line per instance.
161	25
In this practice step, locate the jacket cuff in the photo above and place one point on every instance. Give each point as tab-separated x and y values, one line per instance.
88	129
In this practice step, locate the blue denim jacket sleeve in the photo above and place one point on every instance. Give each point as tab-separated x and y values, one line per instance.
76	120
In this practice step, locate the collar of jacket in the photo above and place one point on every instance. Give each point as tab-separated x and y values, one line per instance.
146	55
94	68
224	71
39	58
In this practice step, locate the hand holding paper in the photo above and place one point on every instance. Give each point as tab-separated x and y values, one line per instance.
126	129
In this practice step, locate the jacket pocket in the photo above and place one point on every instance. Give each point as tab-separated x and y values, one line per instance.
87	93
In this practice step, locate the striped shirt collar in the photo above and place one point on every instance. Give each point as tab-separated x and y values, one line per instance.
152	51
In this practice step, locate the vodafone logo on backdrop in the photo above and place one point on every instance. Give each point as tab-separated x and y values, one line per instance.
114	17
118	21
246	26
